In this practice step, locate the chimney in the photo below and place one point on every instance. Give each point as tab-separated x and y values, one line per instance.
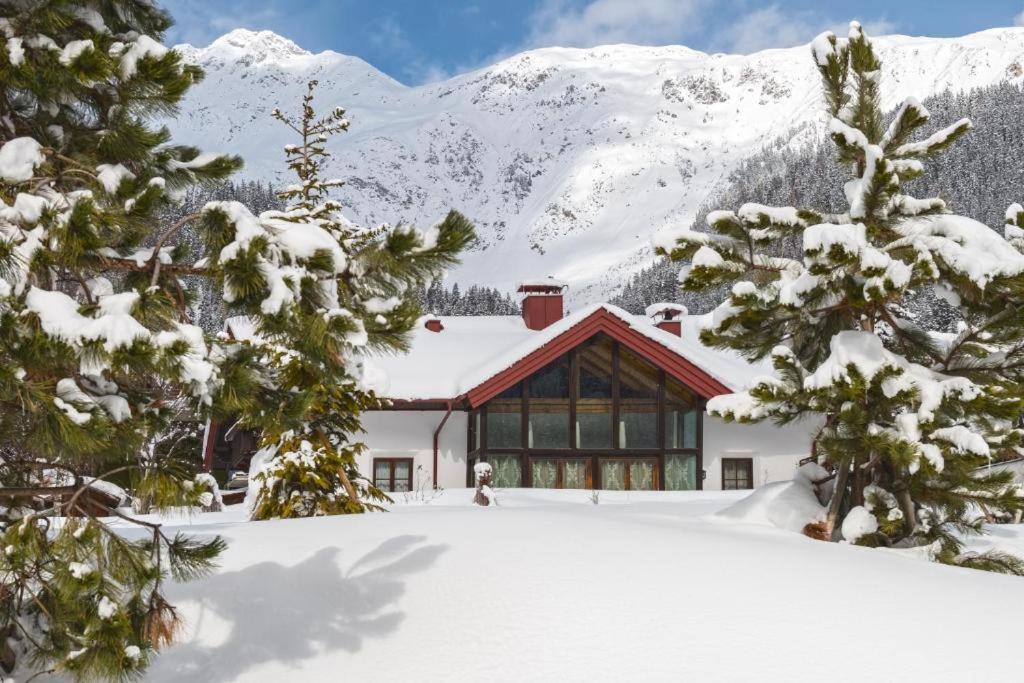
542	302
668	317
433	324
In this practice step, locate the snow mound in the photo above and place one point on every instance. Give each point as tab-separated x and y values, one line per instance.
789	505
859	522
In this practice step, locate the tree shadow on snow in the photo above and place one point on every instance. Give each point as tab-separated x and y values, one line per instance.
277	613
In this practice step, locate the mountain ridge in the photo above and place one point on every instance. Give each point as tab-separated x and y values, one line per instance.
567	159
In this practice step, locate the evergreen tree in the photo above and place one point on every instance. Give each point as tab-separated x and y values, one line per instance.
909	413
323	293
438	300
209	309
976	178
95	357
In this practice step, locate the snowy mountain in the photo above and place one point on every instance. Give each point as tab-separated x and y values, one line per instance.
566	159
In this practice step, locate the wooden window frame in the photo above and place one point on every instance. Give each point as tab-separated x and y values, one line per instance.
749	463
573	451
392	462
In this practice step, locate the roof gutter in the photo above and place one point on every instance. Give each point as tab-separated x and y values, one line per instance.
437	434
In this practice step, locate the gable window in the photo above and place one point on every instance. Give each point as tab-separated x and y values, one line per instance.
737	474
393	475
602	415
638	396
680	416
549	406
505	419
594	394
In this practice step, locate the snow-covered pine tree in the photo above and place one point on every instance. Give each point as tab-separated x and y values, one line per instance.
909	414
975	178
323	294
95	355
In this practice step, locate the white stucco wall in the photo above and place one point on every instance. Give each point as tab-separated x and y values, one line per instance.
775	451
410	434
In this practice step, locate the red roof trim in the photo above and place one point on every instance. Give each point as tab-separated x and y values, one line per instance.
600	321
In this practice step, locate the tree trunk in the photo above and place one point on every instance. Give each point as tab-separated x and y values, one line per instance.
349	488
858	482
837	501
906	504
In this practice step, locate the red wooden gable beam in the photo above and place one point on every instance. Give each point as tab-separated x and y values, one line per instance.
601	320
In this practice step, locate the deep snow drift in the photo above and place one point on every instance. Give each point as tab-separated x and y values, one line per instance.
548	585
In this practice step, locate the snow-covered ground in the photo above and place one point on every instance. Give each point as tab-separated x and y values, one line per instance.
548	585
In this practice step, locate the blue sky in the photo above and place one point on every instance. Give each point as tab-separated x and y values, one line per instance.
418	41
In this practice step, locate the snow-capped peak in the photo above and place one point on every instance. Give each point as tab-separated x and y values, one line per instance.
268	44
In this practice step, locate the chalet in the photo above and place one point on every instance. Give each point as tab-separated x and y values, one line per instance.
598	398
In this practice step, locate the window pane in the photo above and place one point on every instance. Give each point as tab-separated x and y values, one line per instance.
507	471
690	429
680	472
638	425
641	475
637	377
680	415
548	429
504	424
595	359
544	473
613	475
638	409
552	381
476	431
574	474
382	475
403	475
594	427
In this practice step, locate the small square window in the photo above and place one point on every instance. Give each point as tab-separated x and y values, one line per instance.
393	475
737	474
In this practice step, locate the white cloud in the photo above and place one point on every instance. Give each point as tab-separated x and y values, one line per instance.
1019	19
771	27
601	22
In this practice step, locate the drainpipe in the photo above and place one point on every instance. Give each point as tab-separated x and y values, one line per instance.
437	438
209	437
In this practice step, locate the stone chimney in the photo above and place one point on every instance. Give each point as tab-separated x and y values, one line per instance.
668	317
542	302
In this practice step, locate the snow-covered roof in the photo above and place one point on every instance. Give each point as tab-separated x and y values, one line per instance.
543	283
472	349
665	307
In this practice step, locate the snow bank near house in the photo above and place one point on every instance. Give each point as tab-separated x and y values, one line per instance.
789	505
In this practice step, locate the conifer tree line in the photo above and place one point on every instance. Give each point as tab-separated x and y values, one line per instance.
976	179
909	414
440	300
99	351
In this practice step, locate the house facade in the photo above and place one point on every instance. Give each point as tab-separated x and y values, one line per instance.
594	399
